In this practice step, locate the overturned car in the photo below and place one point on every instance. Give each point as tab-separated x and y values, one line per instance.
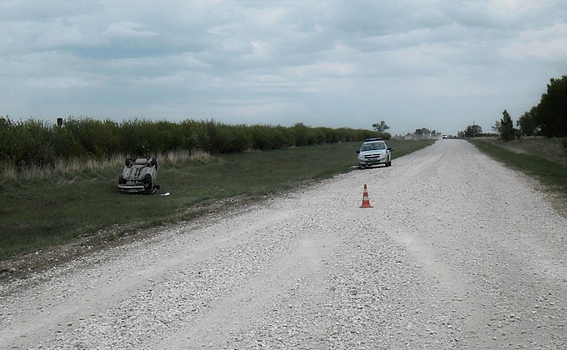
139	175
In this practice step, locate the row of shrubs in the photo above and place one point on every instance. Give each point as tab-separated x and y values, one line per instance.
39	143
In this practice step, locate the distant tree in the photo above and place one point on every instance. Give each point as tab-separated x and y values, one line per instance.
496	127
552	110
422	133
473	130
506	130
527	123
380	127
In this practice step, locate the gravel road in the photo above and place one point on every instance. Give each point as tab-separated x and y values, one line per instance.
457	252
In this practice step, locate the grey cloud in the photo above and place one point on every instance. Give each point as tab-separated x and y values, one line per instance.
415	61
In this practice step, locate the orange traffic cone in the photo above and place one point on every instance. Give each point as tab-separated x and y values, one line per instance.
365	199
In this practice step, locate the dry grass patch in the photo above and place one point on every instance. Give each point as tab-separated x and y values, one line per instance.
68	169
550	149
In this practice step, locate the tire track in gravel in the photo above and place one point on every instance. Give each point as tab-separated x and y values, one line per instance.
479	238
65	302
233	315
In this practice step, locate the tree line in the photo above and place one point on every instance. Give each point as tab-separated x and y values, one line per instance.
35	142
548	118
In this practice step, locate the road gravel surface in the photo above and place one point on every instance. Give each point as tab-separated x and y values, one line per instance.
458	252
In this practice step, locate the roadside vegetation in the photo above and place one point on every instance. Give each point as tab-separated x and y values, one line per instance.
548	118
536	144
77	200
33	144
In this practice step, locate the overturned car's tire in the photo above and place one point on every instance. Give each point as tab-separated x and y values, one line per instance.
128	161
148	182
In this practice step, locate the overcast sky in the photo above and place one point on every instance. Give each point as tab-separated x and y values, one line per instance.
439	64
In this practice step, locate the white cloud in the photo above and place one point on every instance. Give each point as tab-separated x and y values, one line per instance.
127	29
546	44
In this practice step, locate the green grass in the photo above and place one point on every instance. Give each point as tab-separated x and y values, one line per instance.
547	167
550	149
41	212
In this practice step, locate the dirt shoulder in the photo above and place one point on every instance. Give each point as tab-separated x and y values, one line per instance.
20	267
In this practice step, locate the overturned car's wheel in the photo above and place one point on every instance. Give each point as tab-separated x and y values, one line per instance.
148	182
128	161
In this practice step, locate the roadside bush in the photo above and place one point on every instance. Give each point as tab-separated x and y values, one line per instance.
97	138
188	132
349	135
27	143
302	135
38	143
138	138
7	136
260	137
65	144
169	136
323	135
229	139
280	137
265	137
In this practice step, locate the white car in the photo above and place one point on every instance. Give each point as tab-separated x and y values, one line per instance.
374	151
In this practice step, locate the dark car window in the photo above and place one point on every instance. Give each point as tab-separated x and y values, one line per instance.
375	146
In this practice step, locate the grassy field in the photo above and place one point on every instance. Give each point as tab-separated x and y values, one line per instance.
540	158
549	149
80	202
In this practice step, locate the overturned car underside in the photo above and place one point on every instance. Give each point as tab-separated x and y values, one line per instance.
139	175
